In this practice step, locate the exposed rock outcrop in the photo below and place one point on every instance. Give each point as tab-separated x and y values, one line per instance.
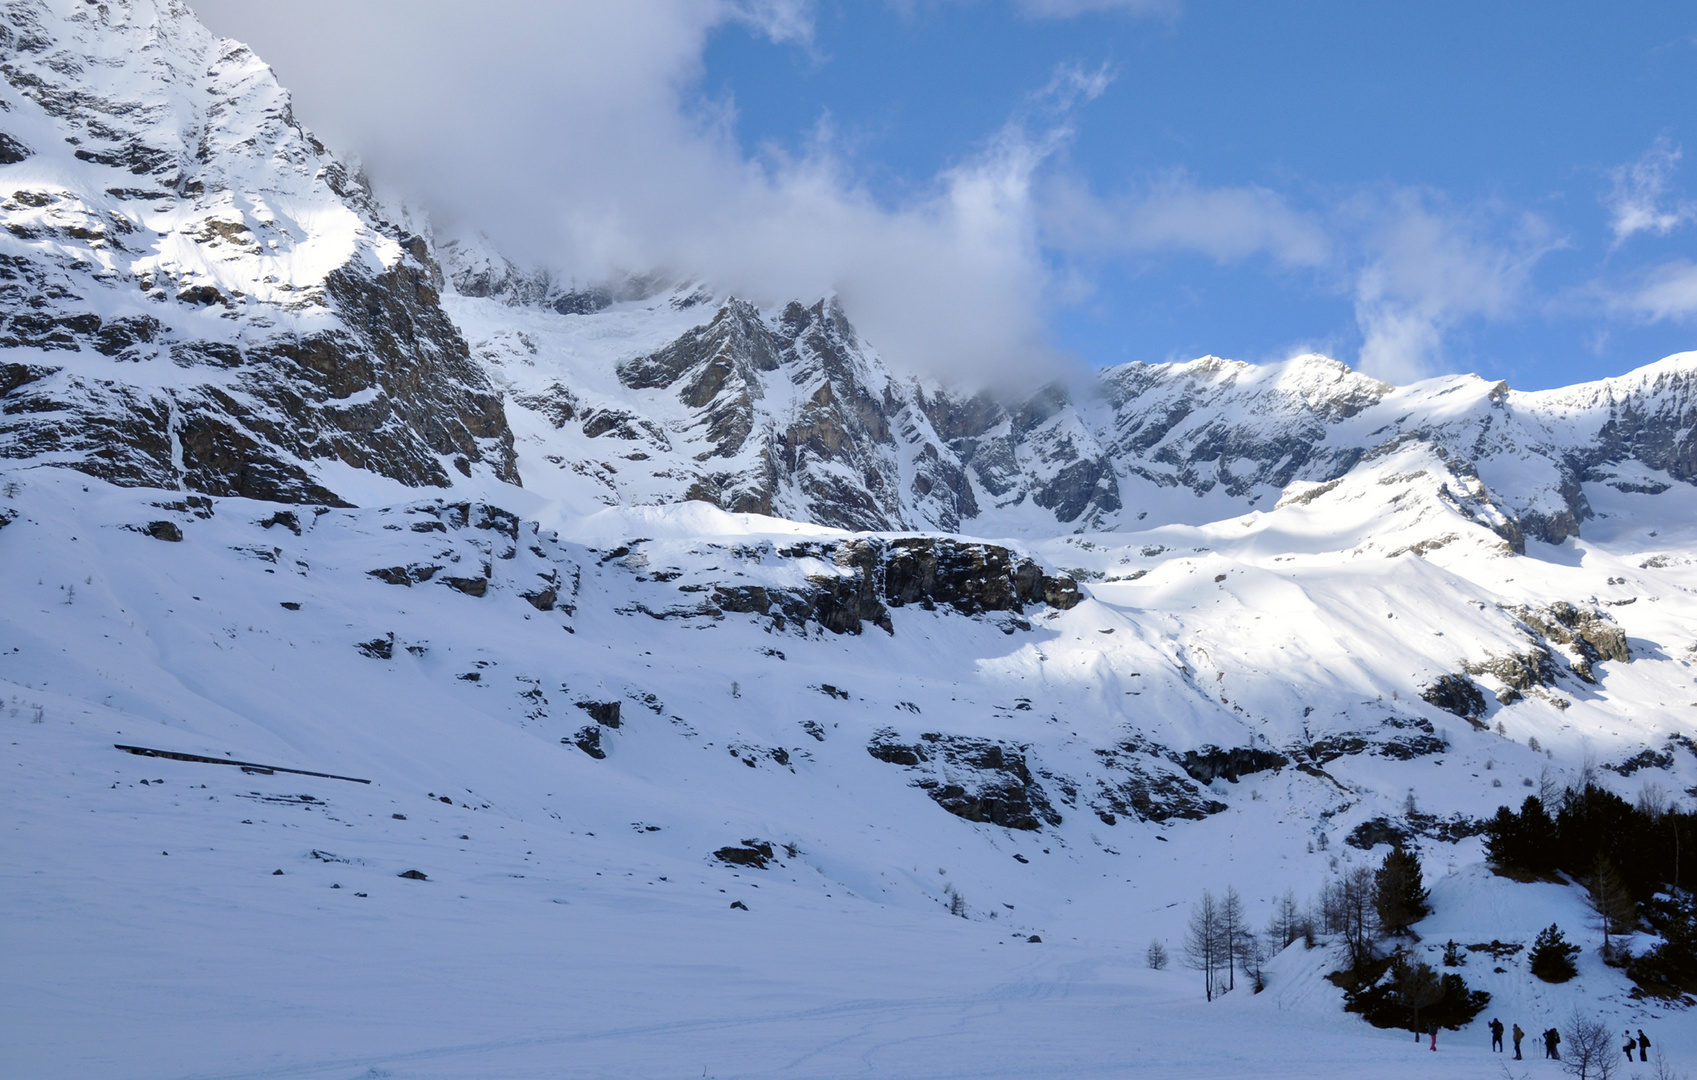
1212	763
1142	782
1455	694
1589	635
976	779
926	571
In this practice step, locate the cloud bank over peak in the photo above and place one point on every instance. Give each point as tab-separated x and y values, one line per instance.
578	136
574	135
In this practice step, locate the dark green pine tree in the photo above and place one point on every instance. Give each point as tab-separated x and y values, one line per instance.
1551	958
1398	897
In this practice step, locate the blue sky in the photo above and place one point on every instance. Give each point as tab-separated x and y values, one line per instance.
1484	115
1002	190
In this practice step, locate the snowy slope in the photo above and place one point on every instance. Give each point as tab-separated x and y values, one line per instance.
586	888
776	657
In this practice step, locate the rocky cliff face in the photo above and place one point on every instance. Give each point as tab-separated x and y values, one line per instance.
196	294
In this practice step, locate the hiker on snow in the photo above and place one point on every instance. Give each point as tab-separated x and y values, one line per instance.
1496	1035
1551	1038
1518	1035
1631	1045
1643	1046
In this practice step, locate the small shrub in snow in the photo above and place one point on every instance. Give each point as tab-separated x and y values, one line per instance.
956	902
1156	956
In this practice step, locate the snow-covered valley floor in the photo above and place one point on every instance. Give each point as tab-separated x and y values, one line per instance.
574	921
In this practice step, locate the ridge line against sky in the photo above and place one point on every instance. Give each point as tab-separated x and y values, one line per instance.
1003	189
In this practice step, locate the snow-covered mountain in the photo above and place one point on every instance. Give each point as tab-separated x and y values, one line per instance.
788	412
198	294
777	658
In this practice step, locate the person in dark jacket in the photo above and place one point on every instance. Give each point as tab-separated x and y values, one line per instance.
1518	1035
1552	1038
1496	1035
1643	1046
1631	1045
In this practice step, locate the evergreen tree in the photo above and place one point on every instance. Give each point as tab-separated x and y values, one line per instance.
1552	957
1525	841
1417	985
1398	898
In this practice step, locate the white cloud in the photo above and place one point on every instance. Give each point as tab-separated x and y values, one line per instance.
574	133
1667	293
1175	213
1425	269
1066	9
780	20
1642	200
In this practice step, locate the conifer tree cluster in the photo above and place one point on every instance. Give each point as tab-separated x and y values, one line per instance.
1629	860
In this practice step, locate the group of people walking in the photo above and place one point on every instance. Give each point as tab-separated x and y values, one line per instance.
1552	1040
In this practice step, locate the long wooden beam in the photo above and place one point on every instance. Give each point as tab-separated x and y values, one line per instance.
142	751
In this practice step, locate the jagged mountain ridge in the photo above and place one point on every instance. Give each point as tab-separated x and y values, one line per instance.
730	412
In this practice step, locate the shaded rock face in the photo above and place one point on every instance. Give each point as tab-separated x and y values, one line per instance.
161	333
971	578
1143	782
1211	763
588	739
975	779
1404	831
1644	759
605	713
1455	694
1518	672
830	452
756	854
879	574
1038	449
1652	420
